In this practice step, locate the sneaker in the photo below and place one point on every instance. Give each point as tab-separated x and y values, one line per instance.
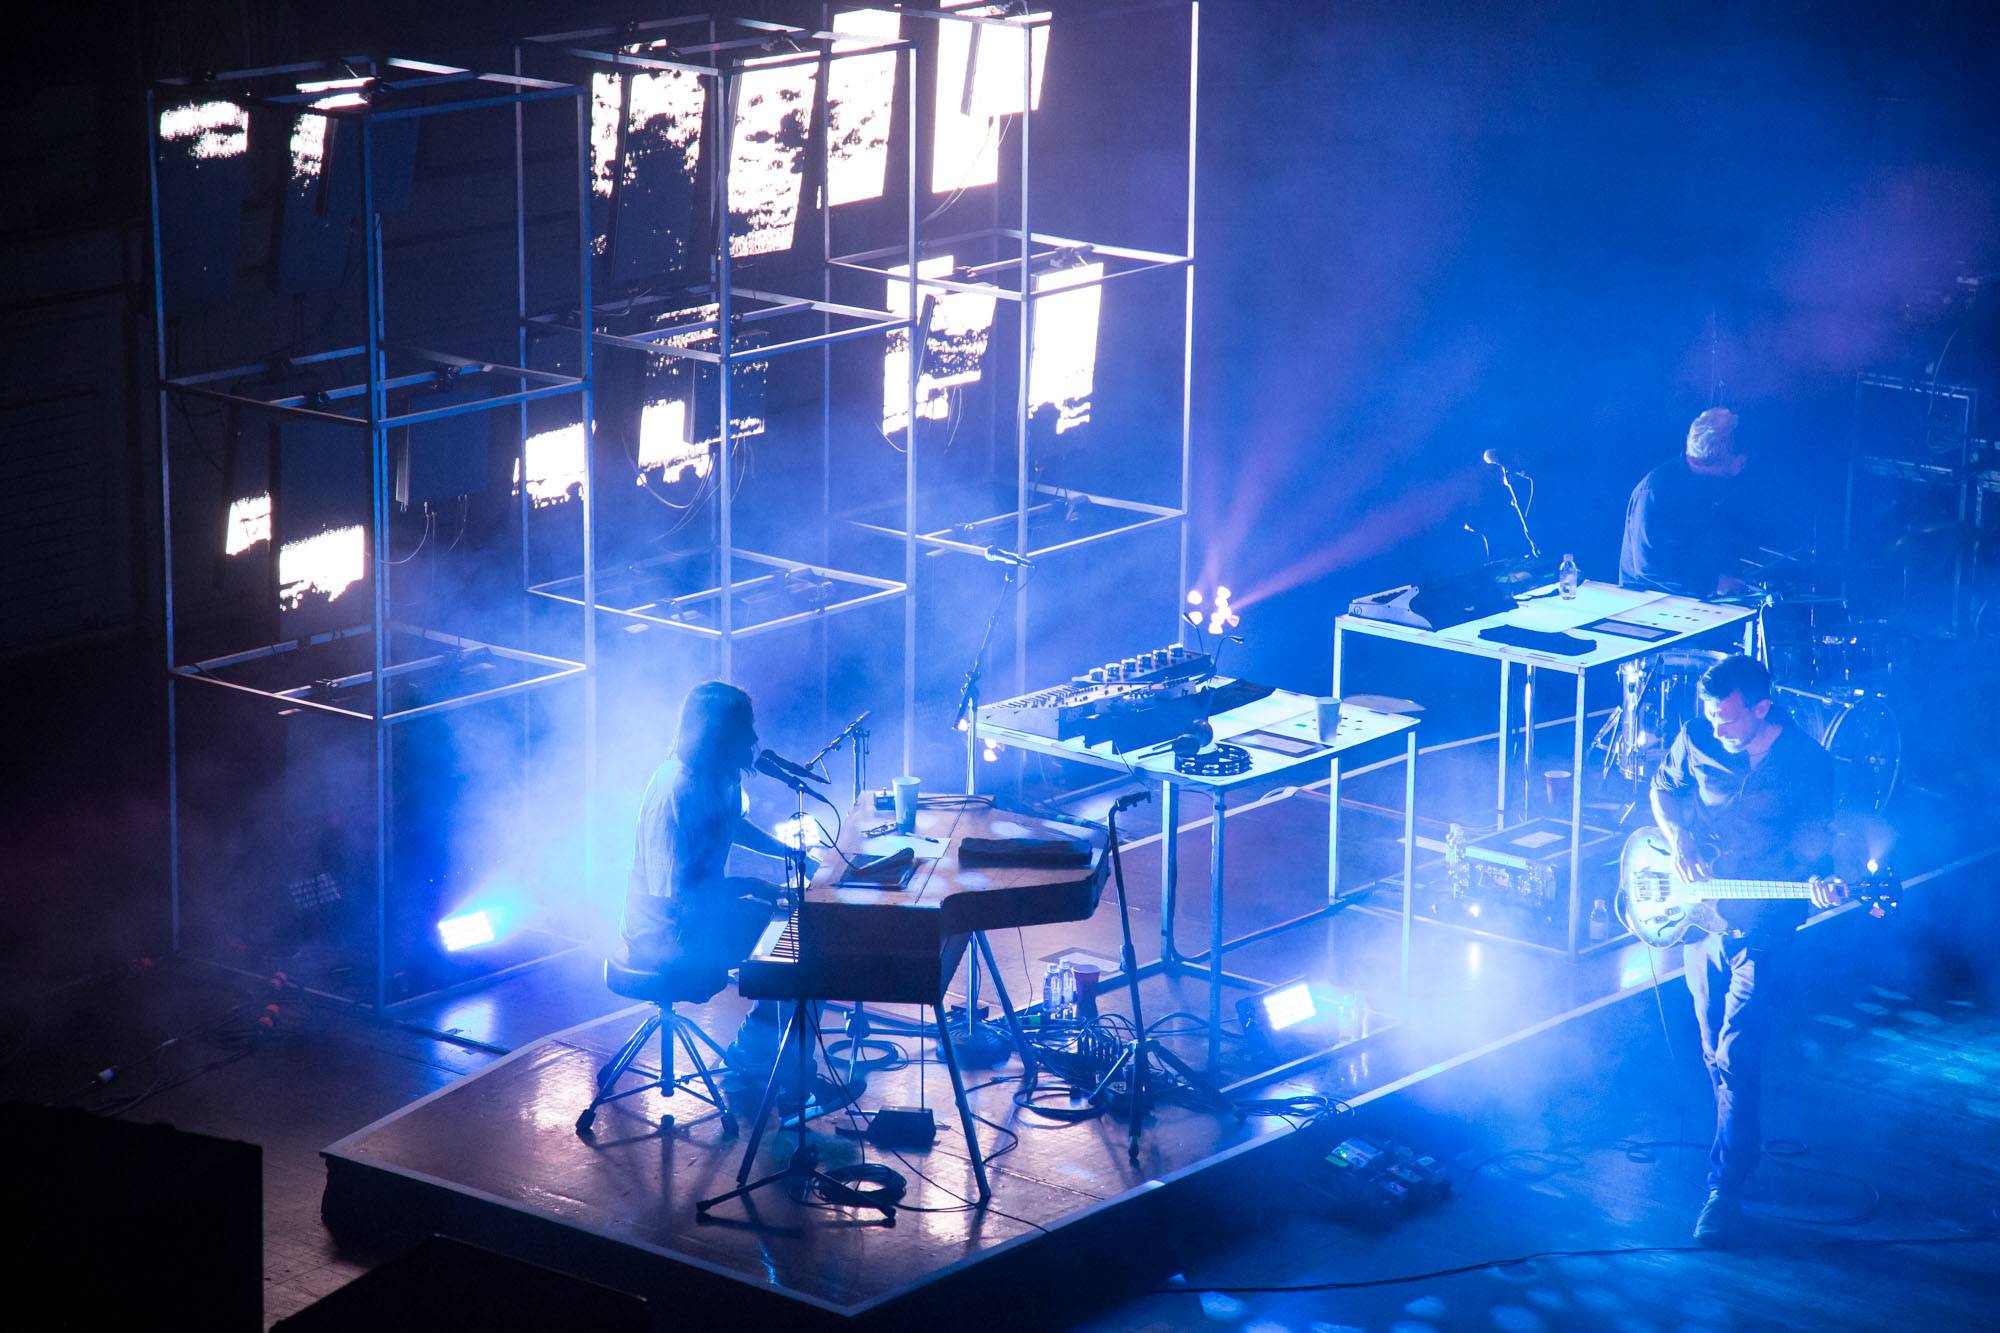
1720	1222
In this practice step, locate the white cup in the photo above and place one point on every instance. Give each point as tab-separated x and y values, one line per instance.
1326	713
905	789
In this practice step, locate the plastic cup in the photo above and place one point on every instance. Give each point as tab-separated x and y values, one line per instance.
905	789
1326	713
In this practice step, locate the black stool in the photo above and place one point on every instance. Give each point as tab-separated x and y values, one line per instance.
674	982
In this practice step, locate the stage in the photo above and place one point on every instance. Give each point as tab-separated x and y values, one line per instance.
494	1158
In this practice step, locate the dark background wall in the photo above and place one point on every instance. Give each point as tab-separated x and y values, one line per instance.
1559	229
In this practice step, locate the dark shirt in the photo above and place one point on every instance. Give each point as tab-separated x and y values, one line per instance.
1683	531
1773	821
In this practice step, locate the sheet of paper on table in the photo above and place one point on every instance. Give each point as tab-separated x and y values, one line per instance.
888	844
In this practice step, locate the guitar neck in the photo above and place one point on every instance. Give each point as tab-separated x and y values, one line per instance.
1752	888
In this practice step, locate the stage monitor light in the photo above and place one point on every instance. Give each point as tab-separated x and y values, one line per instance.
249	523
666	443
321	568
770	126
860	104
694	382
645	148
1303	1011
468	930
994	88
321	208
956	335
1062	368
554	466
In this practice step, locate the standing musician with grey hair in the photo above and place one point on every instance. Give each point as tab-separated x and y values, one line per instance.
1686	523
681	902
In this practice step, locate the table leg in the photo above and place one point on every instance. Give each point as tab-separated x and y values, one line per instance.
1409	867
1576	823
1333	832
1528	741
1170	838
1215	866
1506	691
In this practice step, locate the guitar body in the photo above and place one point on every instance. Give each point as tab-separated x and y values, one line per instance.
1654	902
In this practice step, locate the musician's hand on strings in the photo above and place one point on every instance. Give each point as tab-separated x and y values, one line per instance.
1688	862
1827	891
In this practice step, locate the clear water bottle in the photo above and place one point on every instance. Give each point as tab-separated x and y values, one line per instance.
1600	922
1068	1002
1568	576
1052	993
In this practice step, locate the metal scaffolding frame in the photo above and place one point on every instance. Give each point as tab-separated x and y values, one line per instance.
1013	279
721	51
363	404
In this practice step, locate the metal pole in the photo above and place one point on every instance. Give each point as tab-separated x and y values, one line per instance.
1500	767
1170	839
1021	392
1187	329
1219	801
1409	866
166	528
910	224
587	410
1528	739
378	440
724	133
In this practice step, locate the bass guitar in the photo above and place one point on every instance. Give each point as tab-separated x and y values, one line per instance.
1662	908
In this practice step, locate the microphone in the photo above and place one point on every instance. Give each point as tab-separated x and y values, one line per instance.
1504	461
1000	555
773	765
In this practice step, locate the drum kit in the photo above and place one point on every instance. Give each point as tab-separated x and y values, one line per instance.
1831	668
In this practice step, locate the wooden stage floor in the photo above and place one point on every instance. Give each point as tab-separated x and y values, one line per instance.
493	1157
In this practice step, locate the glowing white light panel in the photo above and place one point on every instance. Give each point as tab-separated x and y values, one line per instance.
209	129
554	465
978	81
860	101
767	150
662	131
1062	368
960	326
309	131
746	415
322	567
666	443
249	523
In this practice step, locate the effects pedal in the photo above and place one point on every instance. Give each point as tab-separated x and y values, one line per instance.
902	1127
1378	1184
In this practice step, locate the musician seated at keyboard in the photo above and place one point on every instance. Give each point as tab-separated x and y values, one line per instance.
681	902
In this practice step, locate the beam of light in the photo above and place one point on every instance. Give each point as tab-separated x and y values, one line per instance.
249	523
1062	368
467	930
961	324
767	148
321	567
860	101
554	468
209	129
1385	526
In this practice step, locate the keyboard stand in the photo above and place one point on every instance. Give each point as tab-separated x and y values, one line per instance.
804	1163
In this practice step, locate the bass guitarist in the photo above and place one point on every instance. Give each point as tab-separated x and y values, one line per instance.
1743	791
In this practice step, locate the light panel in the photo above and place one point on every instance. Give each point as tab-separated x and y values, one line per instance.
249	523
767	153
860	101
961	326
468	930
207	130
555	465
322	567
1062	368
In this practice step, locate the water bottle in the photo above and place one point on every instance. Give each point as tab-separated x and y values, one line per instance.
1052	993
1568	576
1068	1004
1600	922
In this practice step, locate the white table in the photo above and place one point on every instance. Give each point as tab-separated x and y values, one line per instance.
1282	714
1677	620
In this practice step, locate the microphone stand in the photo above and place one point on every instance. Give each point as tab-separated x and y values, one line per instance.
1142	1046
1514	498
973	1043
858	1028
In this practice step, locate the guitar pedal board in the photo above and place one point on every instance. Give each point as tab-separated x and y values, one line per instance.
1377	1183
